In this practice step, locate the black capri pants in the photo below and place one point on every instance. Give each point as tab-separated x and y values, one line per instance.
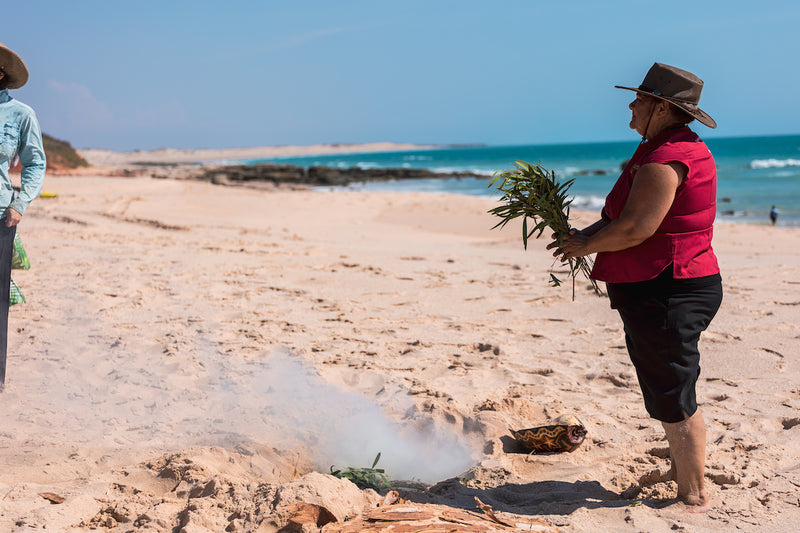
663	320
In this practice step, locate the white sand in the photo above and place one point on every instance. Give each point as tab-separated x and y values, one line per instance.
187	350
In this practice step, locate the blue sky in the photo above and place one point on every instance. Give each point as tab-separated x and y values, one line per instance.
195	74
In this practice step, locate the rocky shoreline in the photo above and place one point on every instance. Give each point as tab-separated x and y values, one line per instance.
222	167
282	175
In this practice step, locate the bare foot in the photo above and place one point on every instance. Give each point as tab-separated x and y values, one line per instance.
695	504
688	506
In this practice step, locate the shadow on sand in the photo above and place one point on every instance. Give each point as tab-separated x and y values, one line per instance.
535	498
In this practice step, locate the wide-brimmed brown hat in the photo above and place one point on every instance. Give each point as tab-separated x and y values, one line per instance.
677	87
14	68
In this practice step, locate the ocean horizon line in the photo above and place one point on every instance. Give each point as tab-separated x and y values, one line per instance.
413	145
634	140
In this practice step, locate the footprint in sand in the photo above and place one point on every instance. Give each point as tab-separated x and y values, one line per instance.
485	347
789	423
621	380
70	220
541	371
723	381
768	350
714	336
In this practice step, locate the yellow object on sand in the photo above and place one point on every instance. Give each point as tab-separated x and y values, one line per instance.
45	194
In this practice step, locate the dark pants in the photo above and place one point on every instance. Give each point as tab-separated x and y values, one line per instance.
6	251
663	321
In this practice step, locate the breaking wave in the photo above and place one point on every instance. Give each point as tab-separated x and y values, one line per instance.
774	163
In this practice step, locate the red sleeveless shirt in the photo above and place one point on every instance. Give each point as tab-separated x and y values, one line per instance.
684	237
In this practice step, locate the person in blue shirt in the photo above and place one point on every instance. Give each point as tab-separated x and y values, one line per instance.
21	137
773	215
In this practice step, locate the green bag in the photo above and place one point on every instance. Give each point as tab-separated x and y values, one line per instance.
15	295
19	259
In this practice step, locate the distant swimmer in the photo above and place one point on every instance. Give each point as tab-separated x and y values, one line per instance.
773	215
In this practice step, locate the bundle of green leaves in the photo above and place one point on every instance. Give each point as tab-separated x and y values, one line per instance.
532	192
364	478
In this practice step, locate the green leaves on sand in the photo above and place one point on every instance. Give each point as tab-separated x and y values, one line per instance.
365	478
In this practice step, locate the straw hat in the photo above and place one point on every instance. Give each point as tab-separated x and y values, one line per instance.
14	68
676	86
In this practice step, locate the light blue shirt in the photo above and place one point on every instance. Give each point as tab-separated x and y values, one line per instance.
19	135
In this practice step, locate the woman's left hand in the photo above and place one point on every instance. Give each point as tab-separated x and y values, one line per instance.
573	244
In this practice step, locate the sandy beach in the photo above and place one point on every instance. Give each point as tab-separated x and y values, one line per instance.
194	358
165	156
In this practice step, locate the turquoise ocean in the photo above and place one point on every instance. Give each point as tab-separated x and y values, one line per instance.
753	173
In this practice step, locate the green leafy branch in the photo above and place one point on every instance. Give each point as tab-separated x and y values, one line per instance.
365	478
532	192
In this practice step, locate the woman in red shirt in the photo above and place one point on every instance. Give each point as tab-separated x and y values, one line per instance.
653	246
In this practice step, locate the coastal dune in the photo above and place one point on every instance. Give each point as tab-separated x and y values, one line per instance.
194	357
